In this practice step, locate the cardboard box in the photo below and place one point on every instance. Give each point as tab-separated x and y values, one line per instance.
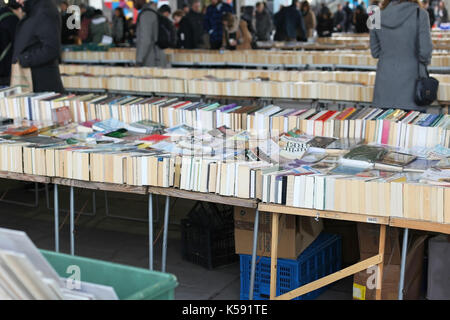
364	287
295	233
368	240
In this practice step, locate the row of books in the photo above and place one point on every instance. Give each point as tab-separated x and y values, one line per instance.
357	77
293	169
438	42
268	57
113	54
287	57
392	127
334	91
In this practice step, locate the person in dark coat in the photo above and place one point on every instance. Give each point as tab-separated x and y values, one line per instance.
280	33
360	20
38	44
339	19
263	22
213	22
324	22
394	45
289	21
426	6
348	17
191	27
9	17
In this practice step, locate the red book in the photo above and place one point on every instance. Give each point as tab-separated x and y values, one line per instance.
385	132
154	138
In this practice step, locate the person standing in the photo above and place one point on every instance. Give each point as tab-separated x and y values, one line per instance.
147	51
348	17
310	19
118	26
324	22
263	22
360	20
9	17
99	27
289	23
442	13
38	44
430	11
236	35
213	22
191	27
395	46
339	19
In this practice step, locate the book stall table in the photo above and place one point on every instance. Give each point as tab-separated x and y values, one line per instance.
406	224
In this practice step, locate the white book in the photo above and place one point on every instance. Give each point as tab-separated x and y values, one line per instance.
319	192
309	192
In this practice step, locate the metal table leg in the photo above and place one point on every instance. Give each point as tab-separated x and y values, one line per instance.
255	245
403	264
166	231
56	207
150	230
72	227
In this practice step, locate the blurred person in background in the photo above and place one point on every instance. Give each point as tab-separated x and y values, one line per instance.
263	22
325	24
360	20
86	16
426	6
68	36
191	30
9	18
442	14
213	22
185	8
339	19
348	17
310	19
147	51
235	33
165	10
99	27
176	18
289	23
119	26
38	44
400	60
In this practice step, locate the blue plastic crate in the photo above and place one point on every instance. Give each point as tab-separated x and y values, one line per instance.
321	258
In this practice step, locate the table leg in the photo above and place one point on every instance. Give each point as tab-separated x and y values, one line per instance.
255	248
403	264
381	264
166	231
274	256
56	211
72	227
150	230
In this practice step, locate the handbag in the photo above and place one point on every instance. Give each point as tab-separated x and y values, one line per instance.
426	87
21	77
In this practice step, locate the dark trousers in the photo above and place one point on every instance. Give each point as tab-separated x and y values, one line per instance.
215	45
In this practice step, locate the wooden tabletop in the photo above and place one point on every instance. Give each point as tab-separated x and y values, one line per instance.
24	177
199	196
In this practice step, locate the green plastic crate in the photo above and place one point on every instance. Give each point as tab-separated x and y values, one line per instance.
130	283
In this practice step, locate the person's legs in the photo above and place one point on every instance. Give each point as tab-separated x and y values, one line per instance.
215	45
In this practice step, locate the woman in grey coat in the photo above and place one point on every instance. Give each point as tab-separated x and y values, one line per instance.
395	47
